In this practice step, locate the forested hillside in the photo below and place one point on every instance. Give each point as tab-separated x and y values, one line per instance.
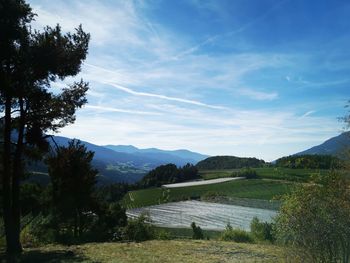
229	162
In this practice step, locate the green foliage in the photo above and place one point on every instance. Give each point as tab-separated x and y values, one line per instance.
169	173
30	61
138	229
34	198
316	218
228	162
110	219
261	230
197	231
248	173
73	180
112	192
41	230
309	161
236	235
163	234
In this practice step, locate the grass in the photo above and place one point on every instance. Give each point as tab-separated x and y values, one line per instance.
277	173
254	189
190	251
186	233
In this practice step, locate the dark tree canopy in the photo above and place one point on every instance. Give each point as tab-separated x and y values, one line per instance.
29	62
169	173
229	162
309	161
73	180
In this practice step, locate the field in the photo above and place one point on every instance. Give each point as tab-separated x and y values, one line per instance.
156	251
252	189
205	214
278	173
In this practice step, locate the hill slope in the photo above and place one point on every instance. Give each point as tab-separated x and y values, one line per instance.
334	146
228	162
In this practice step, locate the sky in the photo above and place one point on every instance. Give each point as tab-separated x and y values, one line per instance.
257	78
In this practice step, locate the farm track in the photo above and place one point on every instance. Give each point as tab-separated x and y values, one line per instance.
204	182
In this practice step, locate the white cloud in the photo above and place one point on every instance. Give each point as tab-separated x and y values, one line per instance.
258	95
163	97
110	109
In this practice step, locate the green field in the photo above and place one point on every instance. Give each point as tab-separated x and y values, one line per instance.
278	173
255	189
191	251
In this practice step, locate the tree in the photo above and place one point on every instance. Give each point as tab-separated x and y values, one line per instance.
169	173
73	180
197	232
29	62
316	218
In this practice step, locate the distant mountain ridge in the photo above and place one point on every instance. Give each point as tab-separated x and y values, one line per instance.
334	146
178	157
125	163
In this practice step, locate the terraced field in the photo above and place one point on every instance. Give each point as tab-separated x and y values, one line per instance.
251	189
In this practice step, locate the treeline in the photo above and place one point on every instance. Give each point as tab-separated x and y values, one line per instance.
309	162
169	173
229	162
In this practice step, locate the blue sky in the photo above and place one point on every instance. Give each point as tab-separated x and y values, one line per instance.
256	78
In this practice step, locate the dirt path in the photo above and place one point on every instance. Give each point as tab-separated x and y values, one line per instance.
204	182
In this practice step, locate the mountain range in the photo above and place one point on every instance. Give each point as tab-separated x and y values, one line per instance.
126	163
335	146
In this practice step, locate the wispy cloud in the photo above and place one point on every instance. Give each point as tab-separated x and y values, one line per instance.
163	97
258	95
110	109
308	113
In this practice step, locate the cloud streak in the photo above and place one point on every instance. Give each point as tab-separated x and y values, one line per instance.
110	109
258	95
163	97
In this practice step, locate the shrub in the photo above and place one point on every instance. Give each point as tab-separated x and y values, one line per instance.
41	230
197	231
163	234
248	173
261	230
138	229
316	218
237	235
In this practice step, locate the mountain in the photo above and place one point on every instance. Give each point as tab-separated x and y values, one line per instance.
334	146
228	162
178	157
124	163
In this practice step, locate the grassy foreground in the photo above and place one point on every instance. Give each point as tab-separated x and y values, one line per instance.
157	251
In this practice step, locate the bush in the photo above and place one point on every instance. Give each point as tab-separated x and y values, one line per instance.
197	231
261	230
163	234
139	229
41	230
248	173
237	235
316	218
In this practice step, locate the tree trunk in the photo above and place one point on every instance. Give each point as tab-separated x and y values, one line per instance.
17	172
11	243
